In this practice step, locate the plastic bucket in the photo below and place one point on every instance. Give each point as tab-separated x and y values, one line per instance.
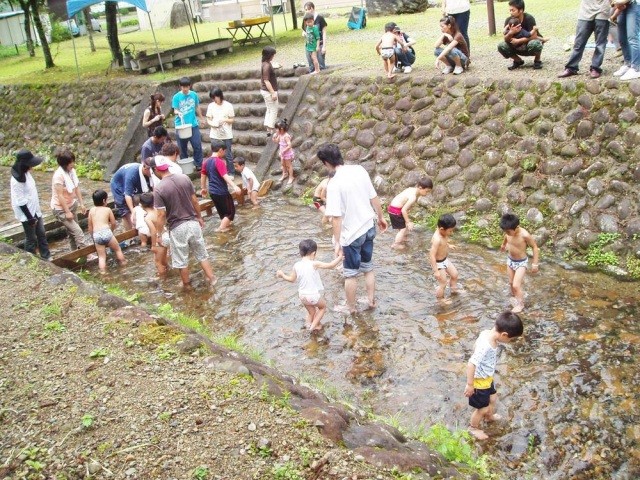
187	166
184	131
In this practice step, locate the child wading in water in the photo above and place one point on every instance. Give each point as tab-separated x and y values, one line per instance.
101	225
310	286
452	52
138	217
283	139
320	196
516	240
386	49
155	239
440	264
482	365
400	206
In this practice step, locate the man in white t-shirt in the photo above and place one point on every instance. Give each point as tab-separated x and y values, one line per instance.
354	204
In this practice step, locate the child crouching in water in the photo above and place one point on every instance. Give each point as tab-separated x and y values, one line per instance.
480	388
283	139
138	219
400	206
101	225
310	286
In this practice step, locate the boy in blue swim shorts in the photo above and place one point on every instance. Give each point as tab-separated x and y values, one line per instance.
480	387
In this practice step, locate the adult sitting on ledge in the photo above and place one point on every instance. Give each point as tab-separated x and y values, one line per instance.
514	47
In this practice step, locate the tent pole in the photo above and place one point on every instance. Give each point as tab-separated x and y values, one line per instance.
273	26
75	54
155	41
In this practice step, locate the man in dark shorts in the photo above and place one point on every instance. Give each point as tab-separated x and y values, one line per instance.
214	169
127	182
178	208
353	204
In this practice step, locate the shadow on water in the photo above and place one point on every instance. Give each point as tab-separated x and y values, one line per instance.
568	389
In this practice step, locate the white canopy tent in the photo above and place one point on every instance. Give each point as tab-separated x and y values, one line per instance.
74	6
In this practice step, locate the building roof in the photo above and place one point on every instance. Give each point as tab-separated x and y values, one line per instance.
10	14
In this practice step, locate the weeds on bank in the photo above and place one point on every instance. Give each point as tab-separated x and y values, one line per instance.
286	471
167	311
232	342
118	291
596	254
90	169
200	473
87	420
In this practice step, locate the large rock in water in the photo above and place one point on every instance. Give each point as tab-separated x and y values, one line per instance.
179	16
390	7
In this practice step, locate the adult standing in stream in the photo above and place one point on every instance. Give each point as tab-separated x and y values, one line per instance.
26	203
186	106
220	116
354	204
178	208
66	198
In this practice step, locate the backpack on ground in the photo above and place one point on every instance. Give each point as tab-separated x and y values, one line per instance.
357	19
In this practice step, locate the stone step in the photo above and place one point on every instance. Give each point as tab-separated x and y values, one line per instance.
252	84
248	98
250	153
251	138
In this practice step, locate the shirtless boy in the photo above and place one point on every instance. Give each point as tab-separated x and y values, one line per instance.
386	49
101	225
400	206
440	264
516	240
320	197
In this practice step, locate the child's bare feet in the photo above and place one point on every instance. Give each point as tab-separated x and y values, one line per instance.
123	261
283	177
213	280
518	307
291	178
496	417
390	76
478	433
398	246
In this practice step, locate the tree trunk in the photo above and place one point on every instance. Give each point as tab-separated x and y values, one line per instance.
46	51
26	8
294	15
87	21
111	12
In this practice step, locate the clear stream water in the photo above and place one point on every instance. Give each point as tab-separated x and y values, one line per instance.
568	389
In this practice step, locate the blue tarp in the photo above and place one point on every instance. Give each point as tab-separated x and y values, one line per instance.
74	6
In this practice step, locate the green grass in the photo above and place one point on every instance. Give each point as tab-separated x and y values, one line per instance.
345	47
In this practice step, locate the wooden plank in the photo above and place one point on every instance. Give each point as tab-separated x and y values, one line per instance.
63	260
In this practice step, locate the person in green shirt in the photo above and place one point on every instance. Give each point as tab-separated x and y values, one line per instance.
312	44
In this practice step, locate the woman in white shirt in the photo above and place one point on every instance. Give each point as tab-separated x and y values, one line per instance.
66	198
26	204
220	117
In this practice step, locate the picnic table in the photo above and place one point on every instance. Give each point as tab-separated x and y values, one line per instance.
246	26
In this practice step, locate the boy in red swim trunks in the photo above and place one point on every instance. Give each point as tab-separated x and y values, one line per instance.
400	206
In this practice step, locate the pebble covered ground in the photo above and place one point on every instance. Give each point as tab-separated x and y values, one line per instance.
89	394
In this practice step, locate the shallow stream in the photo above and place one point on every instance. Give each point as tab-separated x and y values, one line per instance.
568	389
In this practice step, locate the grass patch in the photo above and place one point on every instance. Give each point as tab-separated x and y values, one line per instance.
167	311
232	342
118	291
597	256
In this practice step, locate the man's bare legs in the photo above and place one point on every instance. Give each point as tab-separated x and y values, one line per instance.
208	271
370	286
350	287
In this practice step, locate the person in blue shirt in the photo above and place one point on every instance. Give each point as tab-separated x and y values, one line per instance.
185	105
129	180
152	146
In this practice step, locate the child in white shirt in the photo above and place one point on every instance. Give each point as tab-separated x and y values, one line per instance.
250	183
310	286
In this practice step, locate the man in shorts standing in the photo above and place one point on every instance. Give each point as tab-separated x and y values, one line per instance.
354	204
177	205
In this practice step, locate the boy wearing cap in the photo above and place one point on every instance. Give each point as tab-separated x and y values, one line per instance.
405	54
26	203
185	105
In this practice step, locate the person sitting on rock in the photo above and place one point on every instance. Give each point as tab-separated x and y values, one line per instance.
508	48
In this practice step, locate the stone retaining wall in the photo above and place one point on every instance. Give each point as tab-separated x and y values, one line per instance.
563	156
91	117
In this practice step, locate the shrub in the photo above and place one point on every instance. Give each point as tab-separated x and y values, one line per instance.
130	23
59	32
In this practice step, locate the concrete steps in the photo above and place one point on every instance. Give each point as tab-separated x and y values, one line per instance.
242	90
